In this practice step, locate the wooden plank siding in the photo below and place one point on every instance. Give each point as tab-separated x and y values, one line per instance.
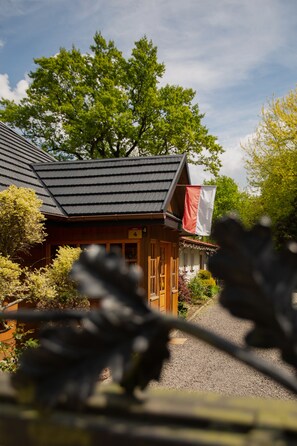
85	233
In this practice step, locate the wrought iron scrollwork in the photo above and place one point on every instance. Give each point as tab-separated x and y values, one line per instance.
258	284
127	336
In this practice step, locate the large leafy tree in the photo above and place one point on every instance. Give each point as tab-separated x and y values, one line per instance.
227	199
230	199
102	105
272	163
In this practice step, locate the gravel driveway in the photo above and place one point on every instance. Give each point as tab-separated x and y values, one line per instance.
197	366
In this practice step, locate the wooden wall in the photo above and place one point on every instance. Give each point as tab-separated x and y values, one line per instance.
84	233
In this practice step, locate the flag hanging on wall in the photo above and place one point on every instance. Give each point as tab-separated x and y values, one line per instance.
199	202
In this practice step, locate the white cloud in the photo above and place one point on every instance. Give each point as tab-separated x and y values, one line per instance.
1	43
233	53
205	45
233	162
16	94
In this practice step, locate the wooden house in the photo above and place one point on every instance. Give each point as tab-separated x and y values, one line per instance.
132	204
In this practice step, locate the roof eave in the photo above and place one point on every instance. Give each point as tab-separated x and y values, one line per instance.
118	217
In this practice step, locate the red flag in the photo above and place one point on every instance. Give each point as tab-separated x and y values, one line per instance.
199	201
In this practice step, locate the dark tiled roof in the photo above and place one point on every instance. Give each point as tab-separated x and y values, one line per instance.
16	155
112	186
123	186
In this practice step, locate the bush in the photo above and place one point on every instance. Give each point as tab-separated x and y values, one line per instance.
11	352
203	286
39	286
48	288
184	293
51	287
10	280
204	274
184	296
21	221
182	310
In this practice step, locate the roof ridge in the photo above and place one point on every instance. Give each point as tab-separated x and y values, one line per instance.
106	160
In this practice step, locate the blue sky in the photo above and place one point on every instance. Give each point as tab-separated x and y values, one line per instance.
236	54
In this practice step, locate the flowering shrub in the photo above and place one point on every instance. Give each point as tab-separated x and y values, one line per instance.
184	296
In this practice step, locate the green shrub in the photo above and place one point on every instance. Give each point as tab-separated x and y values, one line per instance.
21	222
11	352
198	289
39	286
52	287
203	286
182	310
204	274
48	288
10	281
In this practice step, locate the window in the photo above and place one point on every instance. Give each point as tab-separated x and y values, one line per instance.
153	270
174	261
116	247
162	268
131	253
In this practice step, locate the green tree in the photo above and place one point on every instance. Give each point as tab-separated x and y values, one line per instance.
227	199
21	222
102	105
272	163
250	208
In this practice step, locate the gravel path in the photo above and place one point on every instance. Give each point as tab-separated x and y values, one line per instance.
197	366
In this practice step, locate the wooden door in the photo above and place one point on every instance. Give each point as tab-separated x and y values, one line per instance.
163	276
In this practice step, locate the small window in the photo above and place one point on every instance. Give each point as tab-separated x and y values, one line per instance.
116	247
174	273
131	253
153	270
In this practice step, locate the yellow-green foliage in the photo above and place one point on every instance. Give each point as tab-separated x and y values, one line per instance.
21	221
59	270
10	280
206	278
202	286
51	287
272	157
39	287
204	274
